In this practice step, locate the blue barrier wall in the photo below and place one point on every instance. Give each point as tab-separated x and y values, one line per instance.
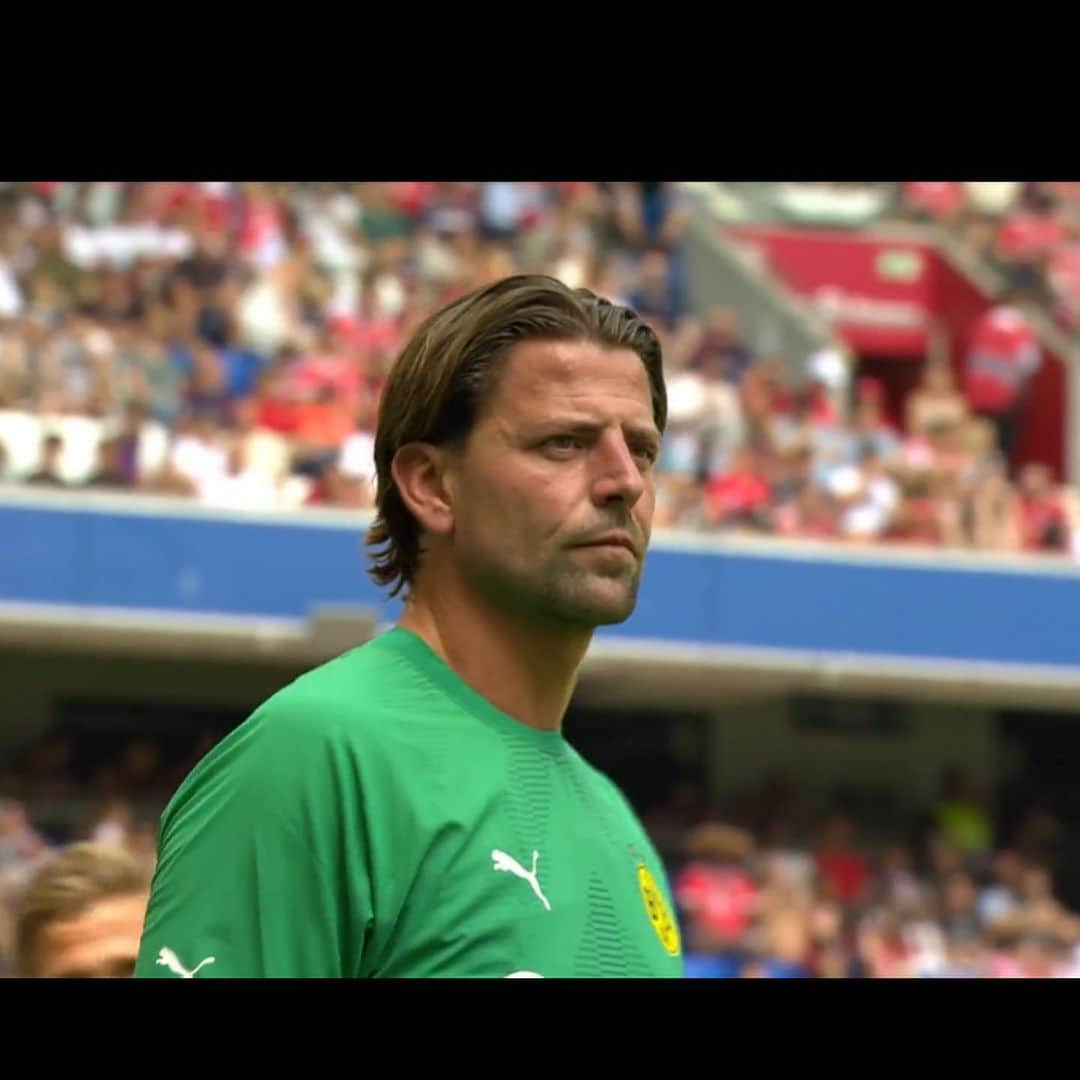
124	553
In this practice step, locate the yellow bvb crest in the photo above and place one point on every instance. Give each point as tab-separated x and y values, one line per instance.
656	908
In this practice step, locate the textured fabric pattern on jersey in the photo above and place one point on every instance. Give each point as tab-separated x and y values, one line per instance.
378	817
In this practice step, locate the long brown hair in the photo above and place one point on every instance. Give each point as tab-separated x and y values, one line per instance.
448	369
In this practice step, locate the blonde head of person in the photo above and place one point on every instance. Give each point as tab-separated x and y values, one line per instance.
81	915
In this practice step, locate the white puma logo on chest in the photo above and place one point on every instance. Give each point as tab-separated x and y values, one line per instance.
501	861
167	958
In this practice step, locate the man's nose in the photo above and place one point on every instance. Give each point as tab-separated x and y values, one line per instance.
618	476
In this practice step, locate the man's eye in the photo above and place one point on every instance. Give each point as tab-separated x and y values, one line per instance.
563	442
646	453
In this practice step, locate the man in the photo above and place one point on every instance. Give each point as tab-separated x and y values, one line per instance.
49	473
110	468
412	808
80	915
1044	522
1003	358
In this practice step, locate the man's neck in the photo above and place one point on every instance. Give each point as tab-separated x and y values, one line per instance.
525	671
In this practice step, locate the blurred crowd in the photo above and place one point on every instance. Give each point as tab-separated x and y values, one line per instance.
227	342
1030	230
68	790
756	456
771	883
774	890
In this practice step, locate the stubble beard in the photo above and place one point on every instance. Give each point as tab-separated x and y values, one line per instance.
561	594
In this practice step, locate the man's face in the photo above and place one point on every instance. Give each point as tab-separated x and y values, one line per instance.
561	456
100	943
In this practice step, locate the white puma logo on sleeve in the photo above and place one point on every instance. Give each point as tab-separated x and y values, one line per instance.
167	958
501	861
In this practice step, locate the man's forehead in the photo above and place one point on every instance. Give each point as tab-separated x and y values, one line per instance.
572	359
540	372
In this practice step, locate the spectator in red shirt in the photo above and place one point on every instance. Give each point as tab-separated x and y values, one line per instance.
715	891
843	869
323	424
1003	355
1043	522
370	331
935	198
412	197
276	408
740	495
1026	241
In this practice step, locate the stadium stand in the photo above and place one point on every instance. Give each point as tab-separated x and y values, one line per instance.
225	343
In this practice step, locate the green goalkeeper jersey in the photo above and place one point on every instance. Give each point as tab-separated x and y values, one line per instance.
379	818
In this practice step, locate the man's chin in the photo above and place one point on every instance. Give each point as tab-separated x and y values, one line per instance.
605	610
613	618
579	600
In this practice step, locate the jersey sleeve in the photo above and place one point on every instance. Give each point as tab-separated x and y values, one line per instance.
262	866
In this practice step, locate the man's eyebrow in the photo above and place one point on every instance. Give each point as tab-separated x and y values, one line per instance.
646	433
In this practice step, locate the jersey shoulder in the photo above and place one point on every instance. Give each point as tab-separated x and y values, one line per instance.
614	800
355	689
603	787
367	707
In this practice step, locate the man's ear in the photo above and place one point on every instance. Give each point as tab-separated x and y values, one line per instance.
419	471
